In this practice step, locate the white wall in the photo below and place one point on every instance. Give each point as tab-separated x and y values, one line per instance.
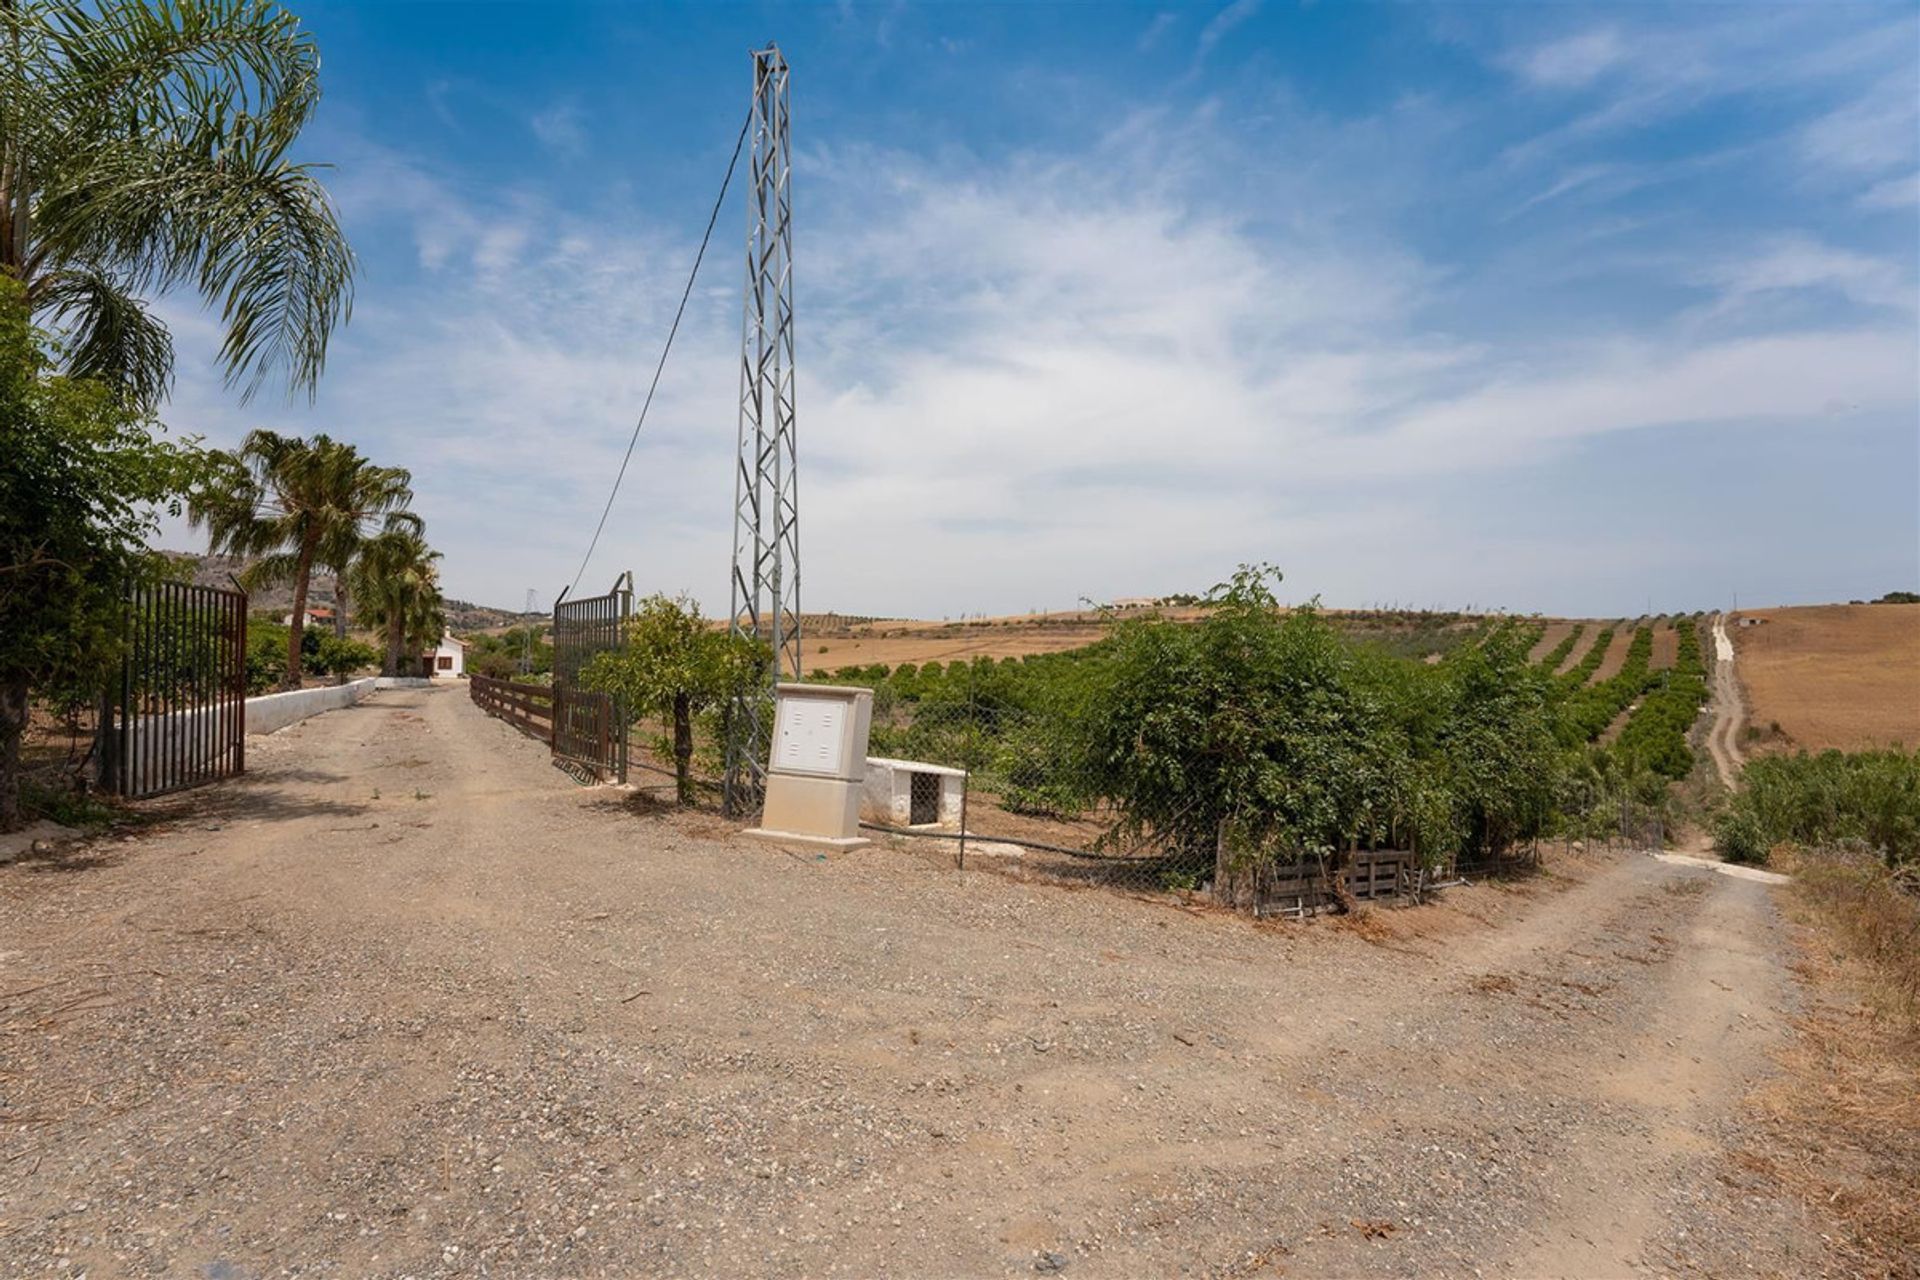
278	710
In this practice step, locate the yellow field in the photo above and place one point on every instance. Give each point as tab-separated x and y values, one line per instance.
1845	676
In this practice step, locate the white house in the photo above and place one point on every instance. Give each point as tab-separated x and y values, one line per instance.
318	616
449	658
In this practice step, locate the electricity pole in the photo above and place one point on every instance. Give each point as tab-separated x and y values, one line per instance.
766	510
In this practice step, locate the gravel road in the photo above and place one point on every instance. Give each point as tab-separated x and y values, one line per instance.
406	1002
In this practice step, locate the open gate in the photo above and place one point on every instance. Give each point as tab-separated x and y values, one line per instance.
590	729
177	716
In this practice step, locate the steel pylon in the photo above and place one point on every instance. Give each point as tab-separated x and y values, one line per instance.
766	508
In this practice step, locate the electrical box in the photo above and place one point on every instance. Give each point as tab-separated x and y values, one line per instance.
815	766
810	736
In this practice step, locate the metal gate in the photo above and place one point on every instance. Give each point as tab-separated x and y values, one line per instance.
177	717
590	729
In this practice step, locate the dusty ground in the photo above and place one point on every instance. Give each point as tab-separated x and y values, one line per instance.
1583	646
1549	640
404	1001
1616	653
1666	646
1845	676
1727	712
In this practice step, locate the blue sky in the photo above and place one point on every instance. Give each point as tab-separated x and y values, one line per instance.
1545	307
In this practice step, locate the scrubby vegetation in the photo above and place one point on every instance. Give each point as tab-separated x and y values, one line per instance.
1280	728
1869	800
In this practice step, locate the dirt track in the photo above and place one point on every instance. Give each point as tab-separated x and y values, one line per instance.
407	1002
1728	709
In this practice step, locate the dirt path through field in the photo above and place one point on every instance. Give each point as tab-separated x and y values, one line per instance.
405	1001
1728	708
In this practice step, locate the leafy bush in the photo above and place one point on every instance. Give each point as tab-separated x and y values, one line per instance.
340	656
1739	836
1826	800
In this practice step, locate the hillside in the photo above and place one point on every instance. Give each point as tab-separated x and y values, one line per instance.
219	571
1842	675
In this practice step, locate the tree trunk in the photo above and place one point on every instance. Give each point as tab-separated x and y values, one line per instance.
396	639
683	747
13	725
297	628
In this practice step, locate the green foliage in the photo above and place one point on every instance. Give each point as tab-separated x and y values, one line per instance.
154	140
1587	710
394	582
341	656
675	664
503	656
1740	837
1657	732
81	477
266	656
1899	597
1825	800
292	505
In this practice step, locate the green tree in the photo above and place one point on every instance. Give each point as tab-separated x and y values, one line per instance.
81	476
395	586
674	664
144	147
289	504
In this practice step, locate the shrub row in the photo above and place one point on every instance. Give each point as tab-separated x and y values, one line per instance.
1656	735
1587	710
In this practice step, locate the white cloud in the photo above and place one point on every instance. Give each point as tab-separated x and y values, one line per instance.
1893	193
562	129
1162	22
1222	24
1573	61
1787	264
1062	372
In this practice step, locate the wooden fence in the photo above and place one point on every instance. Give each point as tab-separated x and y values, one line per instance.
527	707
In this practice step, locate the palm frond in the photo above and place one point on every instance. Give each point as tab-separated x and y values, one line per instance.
112	335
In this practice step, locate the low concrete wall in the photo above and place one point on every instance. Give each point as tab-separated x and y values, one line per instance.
402	682
278	710
887	791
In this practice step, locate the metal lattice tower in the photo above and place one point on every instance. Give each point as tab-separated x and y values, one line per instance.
766	524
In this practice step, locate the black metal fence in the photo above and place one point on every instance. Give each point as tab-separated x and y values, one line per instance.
177	716
589	729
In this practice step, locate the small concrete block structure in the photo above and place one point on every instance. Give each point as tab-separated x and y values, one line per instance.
911	793
816	766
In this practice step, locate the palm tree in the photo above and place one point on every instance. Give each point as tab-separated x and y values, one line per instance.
143	146
395	588
290	504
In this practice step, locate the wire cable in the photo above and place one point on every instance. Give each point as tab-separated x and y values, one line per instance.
686	293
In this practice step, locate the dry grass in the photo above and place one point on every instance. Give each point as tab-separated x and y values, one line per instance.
1840	1130
1845	676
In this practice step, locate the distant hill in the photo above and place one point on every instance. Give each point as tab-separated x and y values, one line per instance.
219	571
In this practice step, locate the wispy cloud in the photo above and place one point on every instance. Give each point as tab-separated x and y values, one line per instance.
562	129
1222	24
